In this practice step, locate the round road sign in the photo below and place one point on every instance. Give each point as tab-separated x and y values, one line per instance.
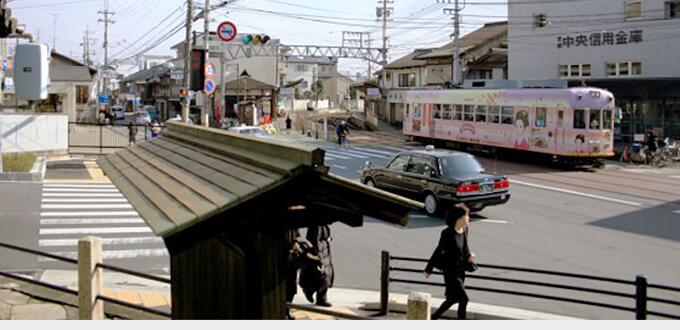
209	86
226	31
209	69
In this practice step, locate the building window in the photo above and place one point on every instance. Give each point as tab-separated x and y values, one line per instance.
574	70
624	69
407	79
673	9
633	9
301	68
82	94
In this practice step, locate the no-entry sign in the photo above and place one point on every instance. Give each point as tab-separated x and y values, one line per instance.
226	31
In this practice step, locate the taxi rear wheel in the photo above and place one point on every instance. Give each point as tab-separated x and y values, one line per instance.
431	204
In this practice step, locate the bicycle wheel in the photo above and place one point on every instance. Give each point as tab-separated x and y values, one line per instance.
658	161
346	144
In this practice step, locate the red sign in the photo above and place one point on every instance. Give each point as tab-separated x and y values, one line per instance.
226	31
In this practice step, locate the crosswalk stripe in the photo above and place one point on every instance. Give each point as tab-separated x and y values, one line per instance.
80	190
367	154
85	207
397	148
388	153
89	214
118	195
84	200
110	230
62	221
335	155
105	241
79	185
124	254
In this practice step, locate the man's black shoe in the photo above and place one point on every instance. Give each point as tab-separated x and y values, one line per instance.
324	303
310	296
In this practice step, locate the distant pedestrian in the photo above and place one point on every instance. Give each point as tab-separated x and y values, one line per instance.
319	282
451	256
289	123
133	133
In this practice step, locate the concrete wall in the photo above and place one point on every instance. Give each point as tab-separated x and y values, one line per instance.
536	52
34	133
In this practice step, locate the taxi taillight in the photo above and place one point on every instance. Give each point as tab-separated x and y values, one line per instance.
468	188
501	184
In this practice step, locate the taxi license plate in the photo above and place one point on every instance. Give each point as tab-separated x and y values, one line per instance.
486	188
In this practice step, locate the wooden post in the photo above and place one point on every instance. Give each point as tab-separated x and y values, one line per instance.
418	306
90	279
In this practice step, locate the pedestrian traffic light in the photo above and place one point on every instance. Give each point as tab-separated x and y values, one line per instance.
184	92
258	39
197	74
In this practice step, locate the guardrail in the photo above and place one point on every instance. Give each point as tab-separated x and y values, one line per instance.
640	297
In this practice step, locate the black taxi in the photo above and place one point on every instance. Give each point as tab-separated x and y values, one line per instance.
439	178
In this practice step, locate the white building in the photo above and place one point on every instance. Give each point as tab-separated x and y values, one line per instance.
628	47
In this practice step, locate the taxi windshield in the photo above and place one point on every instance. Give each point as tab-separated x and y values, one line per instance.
460	166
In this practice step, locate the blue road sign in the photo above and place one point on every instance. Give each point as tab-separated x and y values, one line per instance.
209	86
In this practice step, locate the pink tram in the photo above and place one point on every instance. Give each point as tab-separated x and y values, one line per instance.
571	125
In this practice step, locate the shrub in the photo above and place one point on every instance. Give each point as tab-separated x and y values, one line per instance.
18	162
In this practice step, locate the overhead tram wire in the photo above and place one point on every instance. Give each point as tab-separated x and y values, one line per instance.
167	20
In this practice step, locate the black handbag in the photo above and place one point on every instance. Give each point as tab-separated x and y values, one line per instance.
470	266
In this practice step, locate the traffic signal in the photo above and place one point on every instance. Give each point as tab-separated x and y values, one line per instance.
258	39
184	92
197	74
6	23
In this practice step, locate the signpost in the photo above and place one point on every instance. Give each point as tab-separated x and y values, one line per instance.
226	31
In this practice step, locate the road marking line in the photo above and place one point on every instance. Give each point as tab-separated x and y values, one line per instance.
340	167
79	185
80	190
388	153
52	222
490	220
334	155
81	206
115	254
89	214
364	153
110	230
105	241
576	193
118	195
419	216
85	200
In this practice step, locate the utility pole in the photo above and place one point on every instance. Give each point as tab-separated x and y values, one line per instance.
54	30
207	105
106	21
187	60
455	74
384	12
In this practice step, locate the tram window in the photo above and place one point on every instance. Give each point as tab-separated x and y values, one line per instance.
481	114
417	111
494	114
457	112
579	119
408	109
507	114
607	119
469	114
595	119
447	111
437	111
541	115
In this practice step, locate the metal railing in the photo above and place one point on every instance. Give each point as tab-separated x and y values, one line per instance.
89	138
141	275
640	297
74	292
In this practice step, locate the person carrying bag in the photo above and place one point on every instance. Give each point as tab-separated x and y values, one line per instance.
453	257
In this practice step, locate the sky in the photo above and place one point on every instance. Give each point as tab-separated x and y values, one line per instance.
153	27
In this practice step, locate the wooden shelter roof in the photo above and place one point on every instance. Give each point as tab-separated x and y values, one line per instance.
192	173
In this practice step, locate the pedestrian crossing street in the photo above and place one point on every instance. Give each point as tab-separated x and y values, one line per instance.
71	211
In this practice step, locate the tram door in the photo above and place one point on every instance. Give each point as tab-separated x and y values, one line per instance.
542	131
559	131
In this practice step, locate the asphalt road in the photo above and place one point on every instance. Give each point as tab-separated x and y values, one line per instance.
615	223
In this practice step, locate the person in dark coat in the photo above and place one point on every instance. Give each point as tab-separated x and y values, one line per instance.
319	282
451	255
292	267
